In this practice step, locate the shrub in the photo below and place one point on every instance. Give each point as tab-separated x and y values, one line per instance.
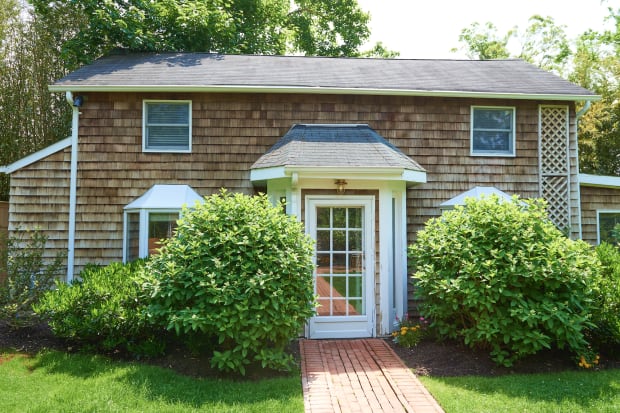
606	313
499	275
238	272
28	276
105	309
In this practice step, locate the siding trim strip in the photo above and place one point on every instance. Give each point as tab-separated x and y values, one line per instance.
35	157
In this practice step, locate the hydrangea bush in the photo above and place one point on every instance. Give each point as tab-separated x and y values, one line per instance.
236	276
499	275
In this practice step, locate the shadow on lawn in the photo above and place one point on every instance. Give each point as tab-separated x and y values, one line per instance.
156	383
582	388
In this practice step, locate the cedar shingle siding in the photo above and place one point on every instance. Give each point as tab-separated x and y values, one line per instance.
232	130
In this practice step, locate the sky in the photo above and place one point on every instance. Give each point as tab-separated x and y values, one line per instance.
429	29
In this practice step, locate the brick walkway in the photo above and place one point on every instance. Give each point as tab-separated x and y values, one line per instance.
359	376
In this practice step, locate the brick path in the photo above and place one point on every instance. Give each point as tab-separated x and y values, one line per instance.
359	376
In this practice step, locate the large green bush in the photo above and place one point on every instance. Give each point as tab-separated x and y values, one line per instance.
105	310
499	275
606	314
238	275
28	276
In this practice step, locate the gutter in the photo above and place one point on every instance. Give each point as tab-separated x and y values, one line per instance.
317	90
75	105
578	116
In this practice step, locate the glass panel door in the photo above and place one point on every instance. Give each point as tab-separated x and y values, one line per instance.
339	279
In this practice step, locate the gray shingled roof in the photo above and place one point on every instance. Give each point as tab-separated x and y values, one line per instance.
335	146
204	71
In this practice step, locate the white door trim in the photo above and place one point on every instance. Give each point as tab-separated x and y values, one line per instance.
347	326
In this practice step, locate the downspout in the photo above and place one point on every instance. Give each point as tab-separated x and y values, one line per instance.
72	186
578	116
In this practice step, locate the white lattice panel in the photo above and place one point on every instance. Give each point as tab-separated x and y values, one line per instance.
555	191
554	163
553	140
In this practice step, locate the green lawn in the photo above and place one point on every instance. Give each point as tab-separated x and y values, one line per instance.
574	391
57	382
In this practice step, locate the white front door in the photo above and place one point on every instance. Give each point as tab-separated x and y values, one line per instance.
343	228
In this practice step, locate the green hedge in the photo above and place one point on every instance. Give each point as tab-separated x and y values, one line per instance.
105	309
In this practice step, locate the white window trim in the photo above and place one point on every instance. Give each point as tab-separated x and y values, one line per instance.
598	221
513	153
143	228
144	148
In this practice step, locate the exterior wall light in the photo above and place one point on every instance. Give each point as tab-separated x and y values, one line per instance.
340	186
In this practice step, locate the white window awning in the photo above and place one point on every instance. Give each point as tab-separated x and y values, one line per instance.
166	197
475	192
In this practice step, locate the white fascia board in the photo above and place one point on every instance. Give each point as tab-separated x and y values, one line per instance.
37	156
331	172
318	90
599	180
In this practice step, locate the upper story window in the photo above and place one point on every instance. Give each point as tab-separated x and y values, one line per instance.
606	221
167	126
492	131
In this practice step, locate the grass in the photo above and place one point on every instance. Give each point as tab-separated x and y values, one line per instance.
572	391
57	382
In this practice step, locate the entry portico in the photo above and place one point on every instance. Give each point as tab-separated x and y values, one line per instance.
348	185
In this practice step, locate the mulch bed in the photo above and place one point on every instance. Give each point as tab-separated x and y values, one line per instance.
429	358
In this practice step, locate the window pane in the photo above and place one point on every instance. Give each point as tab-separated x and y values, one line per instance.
161	226
340	218
355	217
322	240
133	236
340	242
322	217
493	119
167	126
606	223
493	130
492	141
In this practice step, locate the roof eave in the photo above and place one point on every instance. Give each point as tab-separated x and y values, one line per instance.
37	156
601	181
329	172
318	90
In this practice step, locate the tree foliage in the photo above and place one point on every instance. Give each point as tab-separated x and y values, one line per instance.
311	27
31	118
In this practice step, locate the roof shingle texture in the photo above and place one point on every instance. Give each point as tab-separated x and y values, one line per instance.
144	70
335	146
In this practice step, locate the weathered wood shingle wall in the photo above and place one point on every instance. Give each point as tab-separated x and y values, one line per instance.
39	198
231	131
593	199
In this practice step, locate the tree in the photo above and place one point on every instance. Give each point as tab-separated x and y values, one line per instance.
30	117
484	42
311	27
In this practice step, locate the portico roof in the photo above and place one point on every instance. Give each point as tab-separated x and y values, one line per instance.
338	148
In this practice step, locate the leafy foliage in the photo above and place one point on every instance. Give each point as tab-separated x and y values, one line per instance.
499	275
28	276
606	313
238	274
31	117
312	27
105	310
